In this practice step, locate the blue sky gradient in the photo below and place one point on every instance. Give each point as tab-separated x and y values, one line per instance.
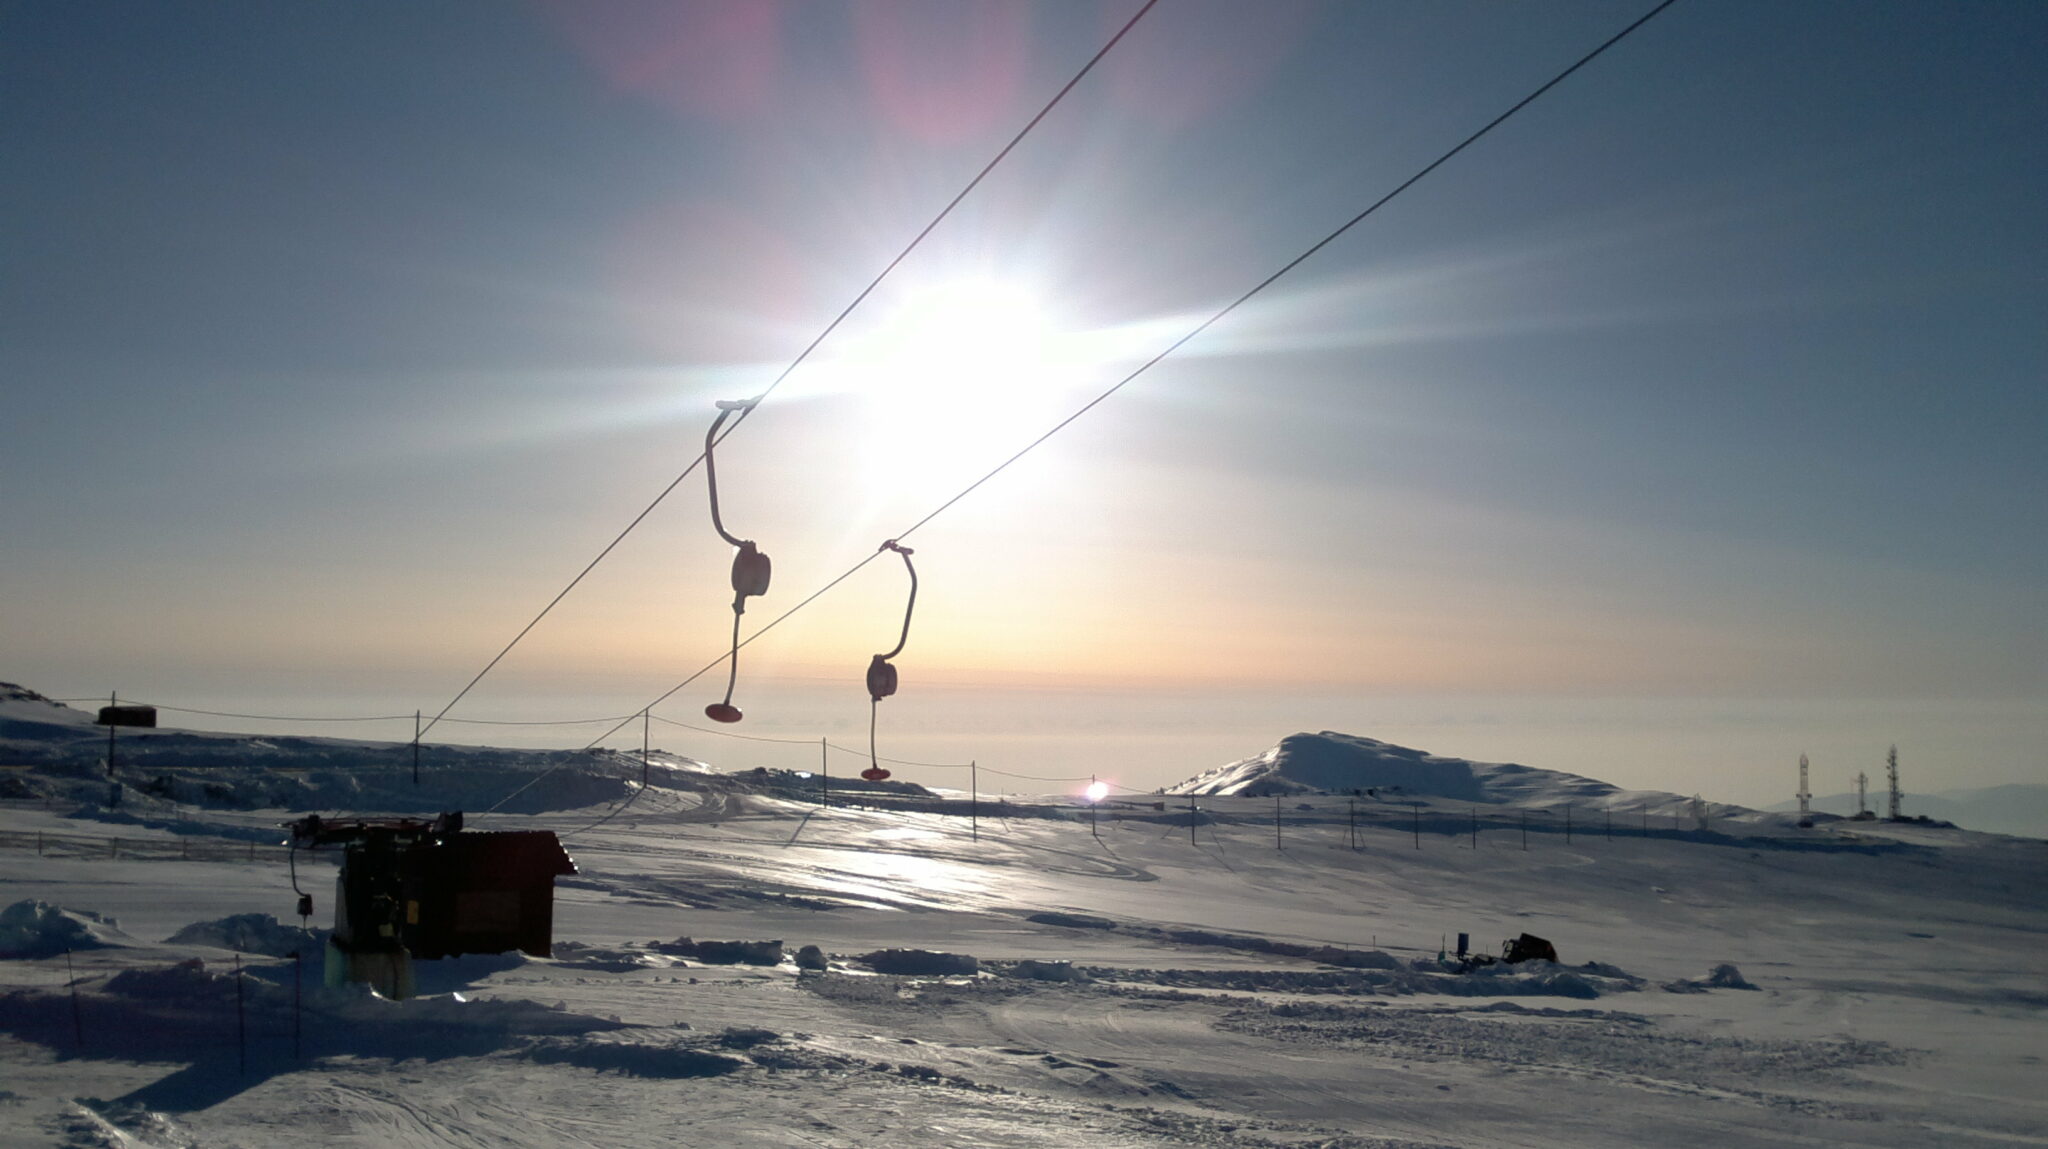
335	338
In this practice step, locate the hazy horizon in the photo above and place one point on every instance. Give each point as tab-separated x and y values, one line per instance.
1690	421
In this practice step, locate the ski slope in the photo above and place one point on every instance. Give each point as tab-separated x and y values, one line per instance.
1135	988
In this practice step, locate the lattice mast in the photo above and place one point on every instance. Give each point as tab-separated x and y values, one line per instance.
1891	769
1805	795
1862	793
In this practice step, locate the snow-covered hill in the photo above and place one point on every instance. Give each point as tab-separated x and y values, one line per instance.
1333	763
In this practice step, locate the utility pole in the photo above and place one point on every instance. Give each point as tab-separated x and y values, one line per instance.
415	747
973	800
824	773
1354	824
1805	796
1891	769
1192	815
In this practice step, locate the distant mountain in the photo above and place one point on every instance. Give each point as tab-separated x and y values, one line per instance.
2016	808
1333	763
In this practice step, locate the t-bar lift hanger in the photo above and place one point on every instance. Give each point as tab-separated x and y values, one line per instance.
882	673
749	564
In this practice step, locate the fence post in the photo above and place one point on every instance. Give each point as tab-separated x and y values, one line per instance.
77	1023
241	1023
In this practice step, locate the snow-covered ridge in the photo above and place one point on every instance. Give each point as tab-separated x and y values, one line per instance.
1334	763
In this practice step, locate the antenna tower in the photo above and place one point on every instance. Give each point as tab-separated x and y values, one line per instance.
1891	769
1862	793
1805	796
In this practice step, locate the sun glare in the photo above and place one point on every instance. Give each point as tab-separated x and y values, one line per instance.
959	375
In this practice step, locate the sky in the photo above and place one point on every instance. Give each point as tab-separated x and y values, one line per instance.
1690	421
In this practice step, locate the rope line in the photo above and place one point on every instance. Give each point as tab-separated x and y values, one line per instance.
808	349
1262	285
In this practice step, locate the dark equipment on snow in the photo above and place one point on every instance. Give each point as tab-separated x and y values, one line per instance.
1528	947
416	889
750	565
126	716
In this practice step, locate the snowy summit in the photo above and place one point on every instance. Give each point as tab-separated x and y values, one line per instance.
1333	763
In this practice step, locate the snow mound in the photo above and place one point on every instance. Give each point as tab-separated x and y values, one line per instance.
33	929
187	983
1726	976
635	1059
251	934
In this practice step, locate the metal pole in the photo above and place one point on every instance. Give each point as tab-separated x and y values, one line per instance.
1475	827
298	980
1191	819
1353	831
241	1023
1276	824
824	773
974	799
1091	808
113	699
415	747
1417	812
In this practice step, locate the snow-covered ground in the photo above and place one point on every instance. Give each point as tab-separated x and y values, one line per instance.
1134	988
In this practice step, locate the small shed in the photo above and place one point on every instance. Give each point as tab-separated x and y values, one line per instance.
126	716
483	892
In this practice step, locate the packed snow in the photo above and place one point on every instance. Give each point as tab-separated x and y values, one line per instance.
736	965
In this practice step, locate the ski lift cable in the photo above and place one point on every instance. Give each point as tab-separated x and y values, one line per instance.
1204	325
805	354
1240	301
368	717
260	717
905	761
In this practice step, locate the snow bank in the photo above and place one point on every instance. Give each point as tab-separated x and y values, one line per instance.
33	929
252	934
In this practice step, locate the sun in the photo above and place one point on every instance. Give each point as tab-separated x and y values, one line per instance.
959	374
